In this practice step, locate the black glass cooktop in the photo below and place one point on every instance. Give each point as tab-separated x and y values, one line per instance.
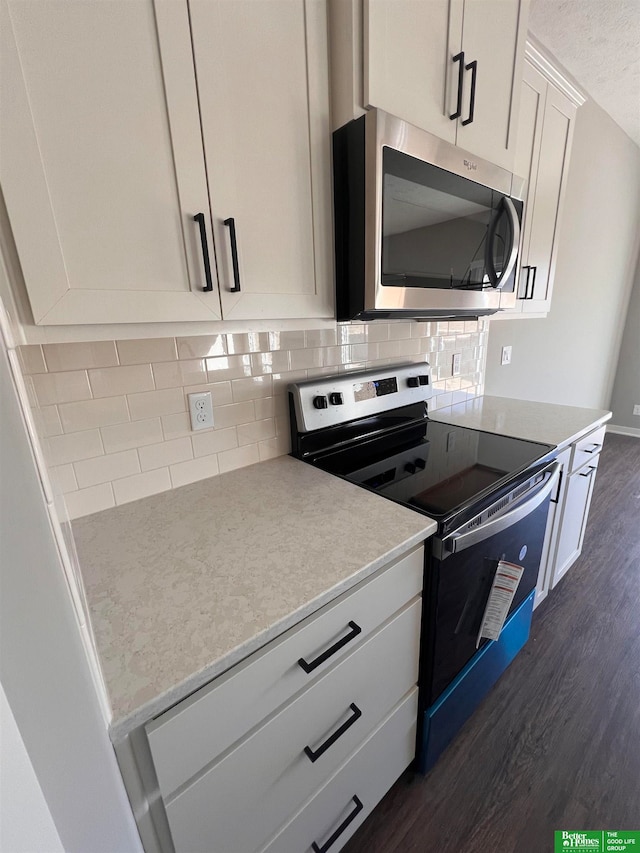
435	467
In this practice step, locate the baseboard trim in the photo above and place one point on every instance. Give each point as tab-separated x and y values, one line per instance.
623	430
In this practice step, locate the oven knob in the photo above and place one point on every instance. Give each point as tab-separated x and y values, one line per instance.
336	399
413	381
420	463
410	468
320	402
424	379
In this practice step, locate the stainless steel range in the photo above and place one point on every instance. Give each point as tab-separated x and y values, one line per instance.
490	496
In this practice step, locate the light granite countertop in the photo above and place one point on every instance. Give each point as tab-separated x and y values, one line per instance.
182	585
549	423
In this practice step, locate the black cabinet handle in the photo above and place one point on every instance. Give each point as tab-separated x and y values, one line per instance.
594	447
473	67
314	756
459	57
588	473
557	497
526	283
533	283
345	823
231	225
199	218
309	667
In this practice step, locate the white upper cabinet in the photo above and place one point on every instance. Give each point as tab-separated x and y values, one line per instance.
452	67
545	134
106	157
262	70
102	220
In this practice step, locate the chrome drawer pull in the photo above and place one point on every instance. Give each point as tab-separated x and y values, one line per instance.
345	823
314	756
309	667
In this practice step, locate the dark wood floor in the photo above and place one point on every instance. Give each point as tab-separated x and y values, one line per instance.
556	744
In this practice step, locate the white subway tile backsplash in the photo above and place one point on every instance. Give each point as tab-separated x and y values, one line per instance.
86	501
70	448
147	351
175	374
239	457
104	469
252	433
135	434
93	413
80	356
166	453
151	404
61	387
141	485
123	407
206	443
193	470
251	388
112	381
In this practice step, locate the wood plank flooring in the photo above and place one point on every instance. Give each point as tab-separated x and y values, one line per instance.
556	744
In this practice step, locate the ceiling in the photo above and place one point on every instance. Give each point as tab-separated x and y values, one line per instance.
598	42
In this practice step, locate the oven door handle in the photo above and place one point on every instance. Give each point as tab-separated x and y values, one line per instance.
460	541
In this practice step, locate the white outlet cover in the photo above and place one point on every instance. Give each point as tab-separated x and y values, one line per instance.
201	410
456	363
636	409
505	357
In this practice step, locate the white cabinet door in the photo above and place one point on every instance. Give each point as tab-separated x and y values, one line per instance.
408	45
553	529
546	199
573	521
102	222
494	33
262	71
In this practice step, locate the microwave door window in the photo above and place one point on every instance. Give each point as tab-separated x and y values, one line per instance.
435	227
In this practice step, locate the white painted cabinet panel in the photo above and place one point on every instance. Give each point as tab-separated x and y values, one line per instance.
573	521
262	70
407	56
102	222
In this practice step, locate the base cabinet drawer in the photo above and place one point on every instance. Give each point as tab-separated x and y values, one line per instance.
241	801
340	807
199	729
587	448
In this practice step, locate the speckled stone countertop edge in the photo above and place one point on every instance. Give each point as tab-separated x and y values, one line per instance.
120	728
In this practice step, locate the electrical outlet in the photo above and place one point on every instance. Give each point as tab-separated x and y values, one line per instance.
636	409
506	355
201	410
456	363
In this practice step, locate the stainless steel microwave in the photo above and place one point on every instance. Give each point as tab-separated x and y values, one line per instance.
422	228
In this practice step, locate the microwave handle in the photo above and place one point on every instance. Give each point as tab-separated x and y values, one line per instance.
505	204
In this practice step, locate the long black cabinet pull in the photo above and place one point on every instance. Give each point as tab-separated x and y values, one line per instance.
231	225
199	218
557	497
345	823
311	665
473	68
459	57
314	756
526	283
588	473
533	283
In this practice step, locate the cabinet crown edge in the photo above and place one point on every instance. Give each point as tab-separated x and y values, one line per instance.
550	68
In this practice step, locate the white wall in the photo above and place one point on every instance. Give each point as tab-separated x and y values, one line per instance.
626	388
25	820
571	356
43	668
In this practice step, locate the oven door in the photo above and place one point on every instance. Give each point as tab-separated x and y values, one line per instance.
460	578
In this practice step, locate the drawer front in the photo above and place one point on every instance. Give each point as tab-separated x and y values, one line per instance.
588	448
367	776
242	801
195	732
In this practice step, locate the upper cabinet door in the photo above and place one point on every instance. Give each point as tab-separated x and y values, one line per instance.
494	35
262	71
103	224
408	45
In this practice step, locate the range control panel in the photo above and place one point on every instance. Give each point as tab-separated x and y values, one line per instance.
331	400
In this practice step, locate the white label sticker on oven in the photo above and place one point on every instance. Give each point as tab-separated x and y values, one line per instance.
504	586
